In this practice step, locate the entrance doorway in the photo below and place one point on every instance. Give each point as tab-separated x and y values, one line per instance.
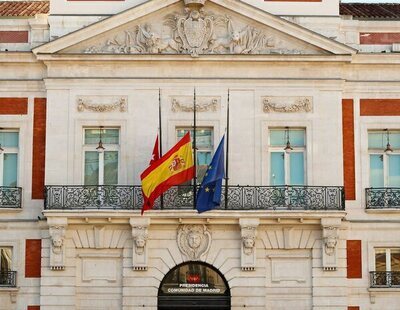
194	285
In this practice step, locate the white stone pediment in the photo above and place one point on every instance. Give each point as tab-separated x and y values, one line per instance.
171	27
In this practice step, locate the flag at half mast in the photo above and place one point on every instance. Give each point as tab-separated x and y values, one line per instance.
173	168
209	194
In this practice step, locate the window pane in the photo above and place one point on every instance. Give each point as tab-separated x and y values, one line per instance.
10	169
110	168
395	259
277	169
108	136
9	139
277	137
380	260
394	170
297	168
395	139
376	140
376	170
203	160
297	137
91	168
5	259
203	137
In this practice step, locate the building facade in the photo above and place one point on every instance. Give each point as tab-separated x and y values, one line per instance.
308	96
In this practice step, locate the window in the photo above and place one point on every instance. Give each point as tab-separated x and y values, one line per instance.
387	267
287	167
204	145
9	141
101	168
5	266
384	166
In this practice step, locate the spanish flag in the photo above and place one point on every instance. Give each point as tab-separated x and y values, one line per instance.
174	168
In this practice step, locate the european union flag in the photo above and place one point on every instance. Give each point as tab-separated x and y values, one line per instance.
209	194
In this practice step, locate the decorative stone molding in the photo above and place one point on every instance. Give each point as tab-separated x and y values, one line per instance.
102	104
99	237
287	104
203	104
194	31
248	245
194	241
57	248
140	234
330	238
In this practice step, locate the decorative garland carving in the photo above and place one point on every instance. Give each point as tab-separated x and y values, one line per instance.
287	104
178	106
83	105
194	241
193	31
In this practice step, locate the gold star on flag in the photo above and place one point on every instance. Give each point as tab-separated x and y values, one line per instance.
207	189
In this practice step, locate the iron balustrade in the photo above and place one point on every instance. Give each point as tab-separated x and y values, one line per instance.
8	278
382	198
385	279
124	197
10	197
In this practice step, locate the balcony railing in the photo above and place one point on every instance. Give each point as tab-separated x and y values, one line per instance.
8	278
10	197
382	198
119	197
385	279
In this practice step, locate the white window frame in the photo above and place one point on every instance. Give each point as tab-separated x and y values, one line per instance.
388	253
280	149
9	150
108	148
385	158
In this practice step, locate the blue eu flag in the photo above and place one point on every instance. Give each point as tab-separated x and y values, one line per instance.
209	194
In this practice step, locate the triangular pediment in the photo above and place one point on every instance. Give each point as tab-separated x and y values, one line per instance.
169	27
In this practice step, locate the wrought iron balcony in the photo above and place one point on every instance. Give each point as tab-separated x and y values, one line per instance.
385	279
382	198
10	197
8	278
119	197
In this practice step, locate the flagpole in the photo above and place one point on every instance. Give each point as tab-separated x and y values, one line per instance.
160	139
227	152
194	150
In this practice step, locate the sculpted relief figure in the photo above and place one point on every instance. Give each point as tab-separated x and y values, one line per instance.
193	31
194	241
330	245
139	234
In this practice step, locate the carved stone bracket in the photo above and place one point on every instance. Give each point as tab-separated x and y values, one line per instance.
140	234
102	104
287	104
194	241
185	104
248	245
57	249
330	238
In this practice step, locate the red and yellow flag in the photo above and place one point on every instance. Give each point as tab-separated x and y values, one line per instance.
174	168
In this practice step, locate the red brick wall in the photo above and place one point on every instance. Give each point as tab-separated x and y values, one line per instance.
293	0
13	106
39	148
379	107
379	37
13	36
33	308
354	259
348	149
353	308
33	256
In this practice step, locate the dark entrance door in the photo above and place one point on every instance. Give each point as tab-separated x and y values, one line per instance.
194	285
